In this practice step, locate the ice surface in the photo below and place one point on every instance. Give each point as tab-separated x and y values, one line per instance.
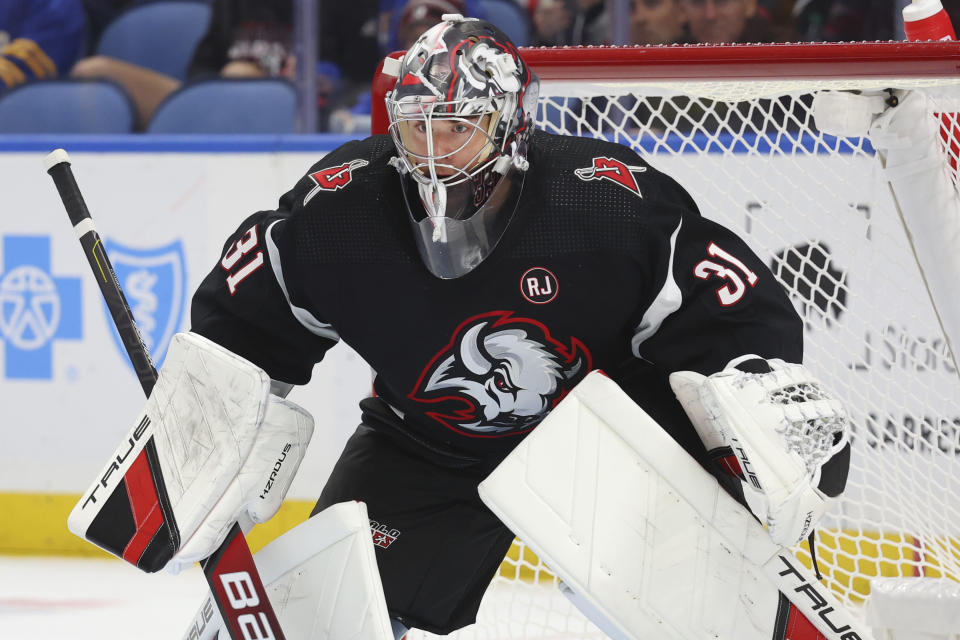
83	599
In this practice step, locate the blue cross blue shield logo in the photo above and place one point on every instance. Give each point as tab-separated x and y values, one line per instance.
37	308
154	281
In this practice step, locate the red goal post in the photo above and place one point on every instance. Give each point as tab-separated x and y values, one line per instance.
734	125
781	61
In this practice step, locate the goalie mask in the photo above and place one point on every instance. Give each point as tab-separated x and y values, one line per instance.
461	115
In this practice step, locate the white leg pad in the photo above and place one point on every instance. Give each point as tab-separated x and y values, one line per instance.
322	579
635	527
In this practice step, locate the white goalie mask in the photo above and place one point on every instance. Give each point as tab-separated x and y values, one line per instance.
461	116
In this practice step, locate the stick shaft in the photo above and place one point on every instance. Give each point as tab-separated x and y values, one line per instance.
104	274
231	567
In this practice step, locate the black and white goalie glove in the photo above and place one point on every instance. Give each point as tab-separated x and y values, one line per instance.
789	437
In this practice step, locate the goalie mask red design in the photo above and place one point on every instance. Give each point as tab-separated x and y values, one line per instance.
500	375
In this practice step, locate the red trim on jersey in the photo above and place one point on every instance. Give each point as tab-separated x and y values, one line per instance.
145	505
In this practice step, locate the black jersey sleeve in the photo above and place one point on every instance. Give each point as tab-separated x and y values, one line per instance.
712	298
260	300
245	305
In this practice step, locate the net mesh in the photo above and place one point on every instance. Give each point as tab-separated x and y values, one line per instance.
814	208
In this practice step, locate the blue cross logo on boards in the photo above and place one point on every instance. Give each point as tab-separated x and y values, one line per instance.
36	308
154	281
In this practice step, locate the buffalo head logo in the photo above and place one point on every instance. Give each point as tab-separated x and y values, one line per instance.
500	375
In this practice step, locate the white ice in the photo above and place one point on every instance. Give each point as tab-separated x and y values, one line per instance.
84	599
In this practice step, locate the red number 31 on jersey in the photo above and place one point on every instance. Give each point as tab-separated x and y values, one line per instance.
732	292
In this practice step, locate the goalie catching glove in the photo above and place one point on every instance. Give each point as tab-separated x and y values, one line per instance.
790	439
211	445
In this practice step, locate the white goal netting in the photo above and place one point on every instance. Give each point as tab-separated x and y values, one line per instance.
817	210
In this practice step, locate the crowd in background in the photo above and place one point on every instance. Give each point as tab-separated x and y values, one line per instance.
254	38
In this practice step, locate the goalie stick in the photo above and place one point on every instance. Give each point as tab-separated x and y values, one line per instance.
230	571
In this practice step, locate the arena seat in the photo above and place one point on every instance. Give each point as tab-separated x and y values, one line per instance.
228	105
510	17
67	106
159	35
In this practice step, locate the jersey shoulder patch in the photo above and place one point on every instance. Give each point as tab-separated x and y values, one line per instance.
339	171
595	161
616	171
333	178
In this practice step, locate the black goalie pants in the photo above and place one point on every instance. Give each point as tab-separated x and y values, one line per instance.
437	545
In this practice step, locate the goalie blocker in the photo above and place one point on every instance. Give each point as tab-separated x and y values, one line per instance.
645	541
212	445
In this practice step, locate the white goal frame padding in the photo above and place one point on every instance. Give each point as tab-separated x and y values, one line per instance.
322	580
914	608
929	207
630	522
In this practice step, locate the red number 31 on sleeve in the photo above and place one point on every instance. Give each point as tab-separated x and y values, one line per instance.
732	292
245	245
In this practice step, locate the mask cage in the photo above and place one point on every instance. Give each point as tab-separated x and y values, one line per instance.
423	167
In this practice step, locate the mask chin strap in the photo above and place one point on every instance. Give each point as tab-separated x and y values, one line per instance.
434	197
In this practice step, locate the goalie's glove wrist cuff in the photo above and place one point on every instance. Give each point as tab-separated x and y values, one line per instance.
750	363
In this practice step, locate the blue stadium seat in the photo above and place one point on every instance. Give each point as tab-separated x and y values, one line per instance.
158	35
228	105
66	106
512	19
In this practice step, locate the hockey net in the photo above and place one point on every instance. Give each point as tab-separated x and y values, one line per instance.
733	124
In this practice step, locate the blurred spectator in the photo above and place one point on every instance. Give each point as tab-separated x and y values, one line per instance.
652	22
569	22
419	15
99	14
38	39
246	38
349	39
350	112
721	21
657	22
391	13
844	20
781	18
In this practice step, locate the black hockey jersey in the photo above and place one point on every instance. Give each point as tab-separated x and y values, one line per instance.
606	264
